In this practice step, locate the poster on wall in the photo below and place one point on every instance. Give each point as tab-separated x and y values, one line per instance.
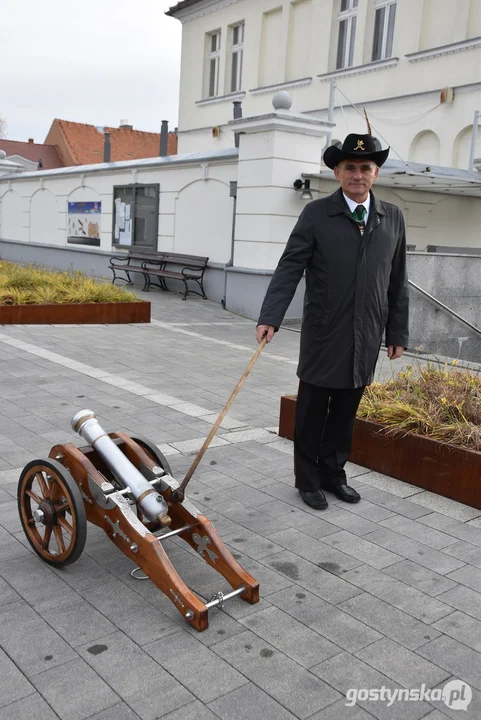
84	223
123	223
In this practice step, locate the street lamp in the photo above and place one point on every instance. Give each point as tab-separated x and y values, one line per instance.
305	186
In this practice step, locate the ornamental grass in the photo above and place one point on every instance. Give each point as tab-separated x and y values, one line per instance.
441	403
34	285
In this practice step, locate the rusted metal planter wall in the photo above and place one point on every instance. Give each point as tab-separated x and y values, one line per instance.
443	469
91	313
287	417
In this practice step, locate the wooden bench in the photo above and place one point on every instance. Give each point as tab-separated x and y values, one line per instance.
130	263
153	267
191	267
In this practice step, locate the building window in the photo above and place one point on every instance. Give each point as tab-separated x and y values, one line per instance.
384	19
237	57
347	33
213	64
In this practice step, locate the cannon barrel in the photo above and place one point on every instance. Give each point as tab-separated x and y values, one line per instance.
151	504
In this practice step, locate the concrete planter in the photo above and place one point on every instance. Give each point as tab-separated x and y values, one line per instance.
447	470
91	313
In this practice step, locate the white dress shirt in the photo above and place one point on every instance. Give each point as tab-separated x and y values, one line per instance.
353	205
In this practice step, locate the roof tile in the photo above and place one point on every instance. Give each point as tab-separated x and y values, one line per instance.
85	143
48	154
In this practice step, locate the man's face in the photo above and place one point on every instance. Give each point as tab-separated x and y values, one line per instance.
356	177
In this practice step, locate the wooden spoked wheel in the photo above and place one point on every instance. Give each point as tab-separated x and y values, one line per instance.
52	512
153	452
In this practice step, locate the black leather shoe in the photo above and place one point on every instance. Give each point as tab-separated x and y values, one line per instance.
315	499
344	492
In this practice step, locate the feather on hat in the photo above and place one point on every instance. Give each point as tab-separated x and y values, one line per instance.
363	147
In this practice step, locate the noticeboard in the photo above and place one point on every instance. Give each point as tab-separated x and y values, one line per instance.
84	222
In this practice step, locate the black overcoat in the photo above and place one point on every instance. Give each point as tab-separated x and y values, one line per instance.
356	287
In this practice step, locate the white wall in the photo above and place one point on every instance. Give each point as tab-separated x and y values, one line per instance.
267	205
47	218
271	48
462	146
209	233
443	123
402	100
195	207
299	42
12	221
444	22
398	123
426	147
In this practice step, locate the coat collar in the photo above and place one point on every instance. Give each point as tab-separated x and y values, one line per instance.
337	205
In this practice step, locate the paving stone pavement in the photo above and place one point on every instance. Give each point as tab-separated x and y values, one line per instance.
383	593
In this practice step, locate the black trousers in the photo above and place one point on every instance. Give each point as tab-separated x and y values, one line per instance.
323	435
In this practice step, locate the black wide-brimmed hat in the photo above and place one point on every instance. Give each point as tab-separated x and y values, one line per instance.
362	147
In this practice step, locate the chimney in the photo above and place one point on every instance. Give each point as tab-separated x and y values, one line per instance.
237	115
164	138
30	140
106	147
125	125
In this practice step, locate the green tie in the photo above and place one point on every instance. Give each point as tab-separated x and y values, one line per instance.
359	214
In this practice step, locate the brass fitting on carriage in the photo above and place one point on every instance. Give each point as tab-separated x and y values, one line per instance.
148	500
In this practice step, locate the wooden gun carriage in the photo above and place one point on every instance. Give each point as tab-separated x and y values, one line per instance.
125	486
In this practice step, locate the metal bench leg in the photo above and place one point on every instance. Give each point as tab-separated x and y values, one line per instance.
186	290
160	284
201	285
117	277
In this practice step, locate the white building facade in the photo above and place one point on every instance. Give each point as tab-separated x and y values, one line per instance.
238	205
415	65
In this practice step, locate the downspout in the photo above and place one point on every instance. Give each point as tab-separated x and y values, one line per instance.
237	115
233	194
474	137
230	263
330	112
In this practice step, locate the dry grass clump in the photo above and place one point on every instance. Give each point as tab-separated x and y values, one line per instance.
441	403
33	285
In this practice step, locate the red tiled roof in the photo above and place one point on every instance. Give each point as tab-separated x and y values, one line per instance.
48	154
84	145
180	6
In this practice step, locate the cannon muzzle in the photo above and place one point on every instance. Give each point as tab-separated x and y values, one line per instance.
149	501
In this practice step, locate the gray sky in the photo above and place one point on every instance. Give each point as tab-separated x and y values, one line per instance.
92	61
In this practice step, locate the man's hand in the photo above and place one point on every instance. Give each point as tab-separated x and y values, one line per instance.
263	330
394	351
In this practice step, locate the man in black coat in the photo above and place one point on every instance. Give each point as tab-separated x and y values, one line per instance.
352	248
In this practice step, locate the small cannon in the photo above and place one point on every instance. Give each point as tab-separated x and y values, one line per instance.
125	486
